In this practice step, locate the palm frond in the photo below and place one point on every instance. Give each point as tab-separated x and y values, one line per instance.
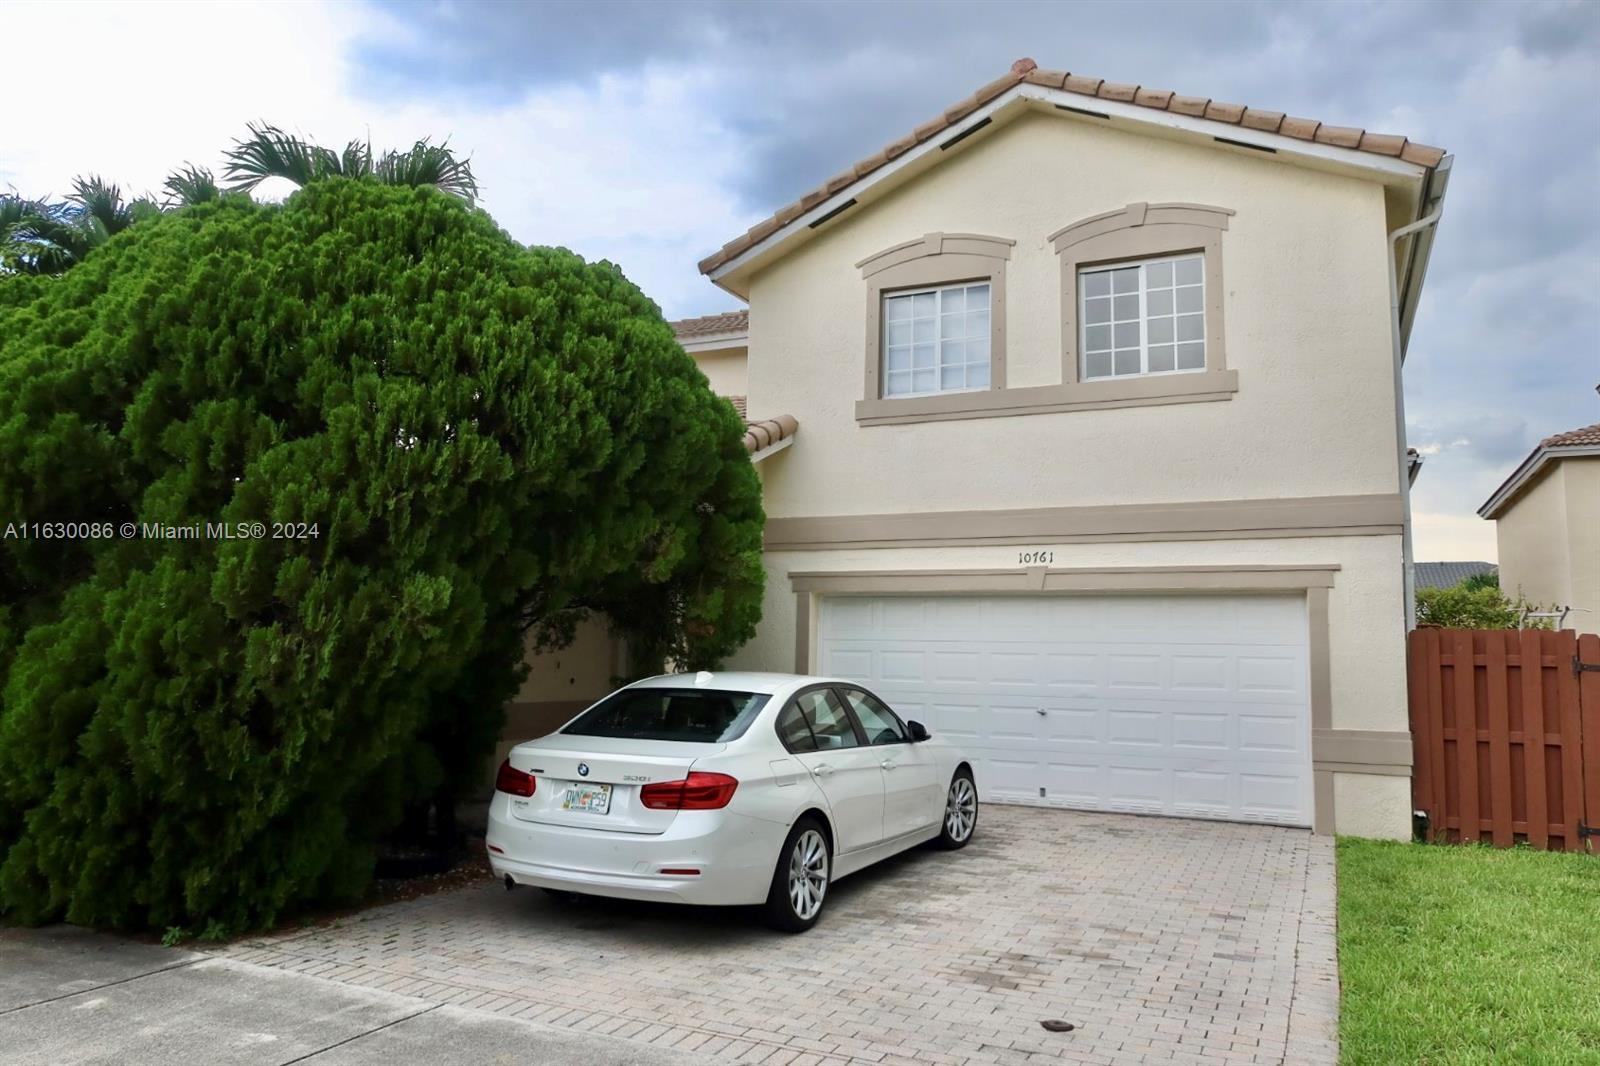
190	185
356	160
38	237
429	164
102	202
269	152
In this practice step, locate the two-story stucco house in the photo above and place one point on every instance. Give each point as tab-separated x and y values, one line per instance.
1547	525
1080	438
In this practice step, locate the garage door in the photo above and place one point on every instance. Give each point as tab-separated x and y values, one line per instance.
1194	706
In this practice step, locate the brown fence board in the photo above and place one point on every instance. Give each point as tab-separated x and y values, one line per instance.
1506	735
1466	715
1571	747
1436	697
1589	708
1422	728
1499	740
1538	786
1435	713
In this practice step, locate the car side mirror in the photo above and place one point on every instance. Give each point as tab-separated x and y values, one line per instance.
919	732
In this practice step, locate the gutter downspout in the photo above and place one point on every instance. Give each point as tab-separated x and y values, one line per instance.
1410	582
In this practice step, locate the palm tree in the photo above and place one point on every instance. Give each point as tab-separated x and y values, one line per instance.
190	185
44	237
269	152
34	238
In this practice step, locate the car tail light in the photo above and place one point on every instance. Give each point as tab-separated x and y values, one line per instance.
700	791
514	781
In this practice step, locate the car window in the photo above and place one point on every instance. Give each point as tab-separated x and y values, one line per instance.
793	731
877	721
830	725
706	716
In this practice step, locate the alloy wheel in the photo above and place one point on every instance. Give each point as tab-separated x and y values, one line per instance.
808	874
961	809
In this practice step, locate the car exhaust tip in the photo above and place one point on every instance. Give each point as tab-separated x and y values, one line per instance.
510	884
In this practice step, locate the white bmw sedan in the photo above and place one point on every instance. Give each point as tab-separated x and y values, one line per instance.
726	789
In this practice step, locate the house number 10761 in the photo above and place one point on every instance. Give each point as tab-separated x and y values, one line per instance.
1025	558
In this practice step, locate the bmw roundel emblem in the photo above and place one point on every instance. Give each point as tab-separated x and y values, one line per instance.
583	769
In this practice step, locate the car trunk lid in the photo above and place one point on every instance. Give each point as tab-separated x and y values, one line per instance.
588	782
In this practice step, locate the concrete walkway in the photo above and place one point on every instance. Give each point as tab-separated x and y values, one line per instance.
68	996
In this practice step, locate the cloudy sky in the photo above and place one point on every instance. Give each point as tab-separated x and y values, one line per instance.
651	132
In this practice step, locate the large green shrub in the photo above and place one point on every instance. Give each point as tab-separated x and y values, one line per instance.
1473	604
205	732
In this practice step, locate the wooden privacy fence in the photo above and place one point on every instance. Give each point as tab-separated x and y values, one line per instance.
1505	728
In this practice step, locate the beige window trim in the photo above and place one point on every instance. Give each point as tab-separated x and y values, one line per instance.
936	259
1305	516
1145	391
1143	231
1137	231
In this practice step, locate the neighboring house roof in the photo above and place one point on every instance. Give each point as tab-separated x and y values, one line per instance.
690	330
1449	575
762	437
1574	438
1574	442
1414	463
1026	71
769	435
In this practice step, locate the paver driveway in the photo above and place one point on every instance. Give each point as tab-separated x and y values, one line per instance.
1162	940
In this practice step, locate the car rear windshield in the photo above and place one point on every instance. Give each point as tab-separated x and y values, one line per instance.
697	716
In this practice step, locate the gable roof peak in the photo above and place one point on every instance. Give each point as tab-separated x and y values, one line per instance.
1026	71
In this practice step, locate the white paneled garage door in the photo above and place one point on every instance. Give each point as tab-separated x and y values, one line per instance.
1187	705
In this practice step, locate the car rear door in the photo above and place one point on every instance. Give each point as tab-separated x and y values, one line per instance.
845	769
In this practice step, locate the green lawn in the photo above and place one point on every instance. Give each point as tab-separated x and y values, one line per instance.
1468	955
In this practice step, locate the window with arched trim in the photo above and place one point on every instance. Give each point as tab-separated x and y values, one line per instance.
1141	292
936	316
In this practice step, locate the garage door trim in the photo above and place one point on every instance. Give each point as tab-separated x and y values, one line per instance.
1313	579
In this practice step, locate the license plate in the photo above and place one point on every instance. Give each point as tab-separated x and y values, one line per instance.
591	799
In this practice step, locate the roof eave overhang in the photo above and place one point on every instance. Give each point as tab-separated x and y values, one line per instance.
1414	463
716	342
733	275
1430	199
1523	476
762	454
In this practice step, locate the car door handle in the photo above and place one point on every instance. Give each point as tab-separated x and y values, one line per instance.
824	769
887	764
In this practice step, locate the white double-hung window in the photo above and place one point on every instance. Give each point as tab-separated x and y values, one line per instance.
1143	317
936	340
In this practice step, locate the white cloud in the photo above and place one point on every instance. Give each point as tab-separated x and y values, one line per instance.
636	169
1448	537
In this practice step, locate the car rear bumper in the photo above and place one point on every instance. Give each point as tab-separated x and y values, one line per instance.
734	854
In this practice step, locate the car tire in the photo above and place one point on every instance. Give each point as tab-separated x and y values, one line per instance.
801	879
960	811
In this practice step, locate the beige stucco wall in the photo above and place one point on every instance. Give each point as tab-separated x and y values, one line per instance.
1549	541
581	671
1366	805
1306	314
725	369
1582	477
560	684
1307	331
